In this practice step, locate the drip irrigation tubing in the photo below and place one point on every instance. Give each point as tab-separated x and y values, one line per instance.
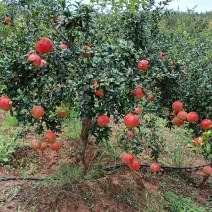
107	168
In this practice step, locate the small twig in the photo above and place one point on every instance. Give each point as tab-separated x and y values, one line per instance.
66	67
32	197
63	36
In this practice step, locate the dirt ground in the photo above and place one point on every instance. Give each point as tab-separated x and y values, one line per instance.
112	191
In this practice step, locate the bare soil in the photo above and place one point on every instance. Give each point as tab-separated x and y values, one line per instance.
119	190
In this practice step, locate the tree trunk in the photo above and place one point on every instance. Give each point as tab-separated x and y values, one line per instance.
80	157
204	179
202	183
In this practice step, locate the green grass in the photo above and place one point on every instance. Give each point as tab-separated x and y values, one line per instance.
72	126
8	142
178	203
62	177
176	151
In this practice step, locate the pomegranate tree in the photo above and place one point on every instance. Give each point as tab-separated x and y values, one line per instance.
125	64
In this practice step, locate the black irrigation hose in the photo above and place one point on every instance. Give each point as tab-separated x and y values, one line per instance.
21	178
108	168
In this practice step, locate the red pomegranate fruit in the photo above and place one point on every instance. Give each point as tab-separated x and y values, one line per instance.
131	120
44	45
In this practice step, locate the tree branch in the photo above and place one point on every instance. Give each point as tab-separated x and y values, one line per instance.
63	36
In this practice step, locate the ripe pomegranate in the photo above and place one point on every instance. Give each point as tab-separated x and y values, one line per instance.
86	49
62	111
177	106
135	165
173	63
150	97
131	120
37	112
99	93
143	65
207	170
138	110
130	135
95	83
5	103
196	142
192	117
43	146
206	124
138	92
103	120
63	46
35	144
7	19
177	122
35	59
162	56
154	167
127	158
182	115
58	18
49	136
44	45
43	63
55	146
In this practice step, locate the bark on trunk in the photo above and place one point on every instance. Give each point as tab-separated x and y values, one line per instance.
80	157
204	179
202	183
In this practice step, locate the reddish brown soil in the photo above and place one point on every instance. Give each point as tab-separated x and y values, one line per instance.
120	190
